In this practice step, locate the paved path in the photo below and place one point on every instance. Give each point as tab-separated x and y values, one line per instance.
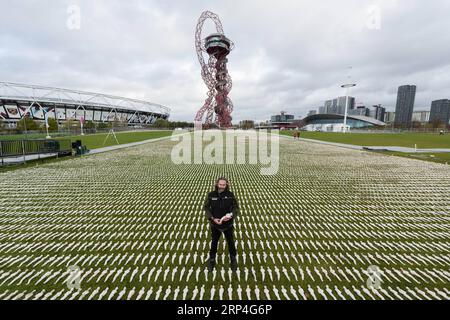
376	148
126	145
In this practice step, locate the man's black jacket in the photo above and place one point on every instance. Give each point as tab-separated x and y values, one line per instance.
217	204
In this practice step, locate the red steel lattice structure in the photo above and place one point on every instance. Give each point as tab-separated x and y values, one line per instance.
214	73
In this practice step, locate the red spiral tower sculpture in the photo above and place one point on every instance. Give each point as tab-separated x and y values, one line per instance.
214	73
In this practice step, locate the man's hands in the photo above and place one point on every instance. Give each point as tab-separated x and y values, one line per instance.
226	218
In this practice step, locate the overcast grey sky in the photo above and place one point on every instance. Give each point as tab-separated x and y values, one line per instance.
289	55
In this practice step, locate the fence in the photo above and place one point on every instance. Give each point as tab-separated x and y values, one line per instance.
38	134
392	130
19	148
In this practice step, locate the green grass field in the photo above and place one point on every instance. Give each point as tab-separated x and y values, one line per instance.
93	141
29	136
325	226
423	140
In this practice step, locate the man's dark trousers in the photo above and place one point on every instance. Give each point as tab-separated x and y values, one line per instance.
215	236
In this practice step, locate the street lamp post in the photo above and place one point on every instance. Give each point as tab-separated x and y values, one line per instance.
347	93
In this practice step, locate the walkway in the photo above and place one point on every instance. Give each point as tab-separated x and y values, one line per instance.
375	148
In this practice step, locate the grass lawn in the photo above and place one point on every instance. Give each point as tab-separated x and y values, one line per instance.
423	140
8	137
94	141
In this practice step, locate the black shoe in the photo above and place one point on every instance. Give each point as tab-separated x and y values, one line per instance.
233	263
211	264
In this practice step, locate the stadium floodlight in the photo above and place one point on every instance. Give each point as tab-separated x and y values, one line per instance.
347	93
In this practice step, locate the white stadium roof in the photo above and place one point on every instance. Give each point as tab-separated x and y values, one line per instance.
80	99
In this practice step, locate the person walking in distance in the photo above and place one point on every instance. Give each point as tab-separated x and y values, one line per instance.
221	209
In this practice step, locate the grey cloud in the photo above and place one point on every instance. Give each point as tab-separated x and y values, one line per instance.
289	55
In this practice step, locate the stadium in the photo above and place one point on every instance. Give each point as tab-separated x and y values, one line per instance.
18	100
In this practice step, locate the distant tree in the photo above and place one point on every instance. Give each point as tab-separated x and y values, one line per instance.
103	125
52	124
89	124
417	124
437	123
71	124
182	124
161	123
246	125
124	123
66	124
428	125
27	124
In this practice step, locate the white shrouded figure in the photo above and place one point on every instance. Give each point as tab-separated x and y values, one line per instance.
202	292
257	293
230	292
311	292
185	292
266	292
239	292
167	293
275	290
140	294
213	291
122	293
293	292
221	290
194	293
149	293
131	293
248	292
112	294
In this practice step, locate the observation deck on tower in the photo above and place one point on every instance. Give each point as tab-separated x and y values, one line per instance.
217	45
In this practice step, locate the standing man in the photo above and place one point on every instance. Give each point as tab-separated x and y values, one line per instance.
221	209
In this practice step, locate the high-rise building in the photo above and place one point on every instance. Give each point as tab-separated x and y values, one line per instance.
417	116
377	112
337	106
359	111
322	110
405	105
440	112
282	118
330	107
421	116
389	117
